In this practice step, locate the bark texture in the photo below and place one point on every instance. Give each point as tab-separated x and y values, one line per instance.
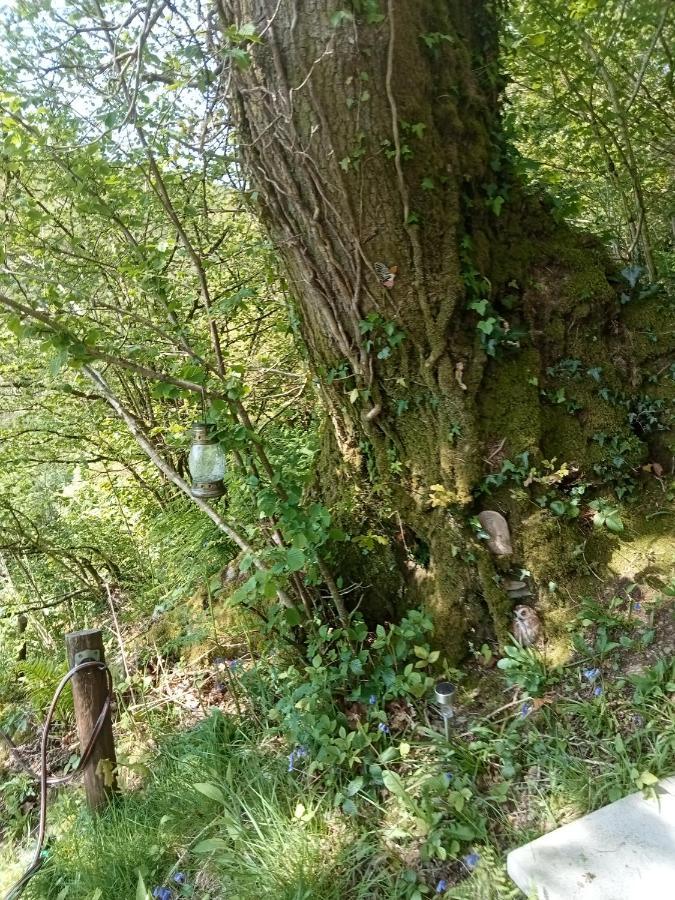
372	138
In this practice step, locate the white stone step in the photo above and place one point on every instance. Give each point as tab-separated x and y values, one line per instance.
624	851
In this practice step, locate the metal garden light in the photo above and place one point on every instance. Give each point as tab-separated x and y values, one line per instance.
444	692
206	463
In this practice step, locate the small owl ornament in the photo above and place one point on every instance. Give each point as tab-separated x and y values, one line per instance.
386	274
526	626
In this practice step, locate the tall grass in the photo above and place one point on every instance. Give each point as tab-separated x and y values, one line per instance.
271	835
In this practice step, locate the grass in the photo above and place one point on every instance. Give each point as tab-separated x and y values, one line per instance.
219	804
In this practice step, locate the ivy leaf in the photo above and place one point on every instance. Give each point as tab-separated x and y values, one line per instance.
487	326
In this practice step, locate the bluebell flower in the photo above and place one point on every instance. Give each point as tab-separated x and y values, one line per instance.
233	664
441	886
180	877
298	753
590	674
637	605
471	860
525	710
597	691
383	727
161	893
448	777
372	699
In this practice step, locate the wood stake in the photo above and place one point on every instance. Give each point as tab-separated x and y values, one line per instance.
90	689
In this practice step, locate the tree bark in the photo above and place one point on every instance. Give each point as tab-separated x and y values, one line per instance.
373	141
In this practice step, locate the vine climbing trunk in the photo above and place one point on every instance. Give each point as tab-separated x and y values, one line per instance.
434	293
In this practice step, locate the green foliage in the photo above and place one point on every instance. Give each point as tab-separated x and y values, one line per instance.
39	677
380	336
606	516
351	677
564	57
526	668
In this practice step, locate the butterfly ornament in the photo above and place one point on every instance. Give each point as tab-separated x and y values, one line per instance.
386	274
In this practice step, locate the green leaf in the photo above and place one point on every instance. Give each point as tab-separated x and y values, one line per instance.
356	667
141	890
211	791
614	523
349	807
292	617
295	559
487	326
394	784
211	845
354	786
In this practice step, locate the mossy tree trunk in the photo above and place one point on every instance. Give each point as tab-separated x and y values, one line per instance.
372	138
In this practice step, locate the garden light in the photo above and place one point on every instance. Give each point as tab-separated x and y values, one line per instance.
444	692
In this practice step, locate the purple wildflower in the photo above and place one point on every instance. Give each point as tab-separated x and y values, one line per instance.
180	877
471	861
590	674
441	886
383	727
448	777
161	893
597	691
233	664
525	710
298	753
372	699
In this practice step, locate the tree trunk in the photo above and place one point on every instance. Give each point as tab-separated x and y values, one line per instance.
434	293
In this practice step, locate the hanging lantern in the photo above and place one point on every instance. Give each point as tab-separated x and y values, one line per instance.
206	463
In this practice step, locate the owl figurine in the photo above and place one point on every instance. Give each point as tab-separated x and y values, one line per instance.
526	626
386	274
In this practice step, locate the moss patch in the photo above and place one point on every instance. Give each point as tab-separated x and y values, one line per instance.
509	403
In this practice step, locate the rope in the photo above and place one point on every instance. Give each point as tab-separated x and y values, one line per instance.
45	781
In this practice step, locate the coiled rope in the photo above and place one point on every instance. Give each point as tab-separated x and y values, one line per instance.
43	778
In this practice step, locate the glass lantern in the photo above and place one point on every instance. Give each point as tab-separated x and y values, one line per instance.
206	463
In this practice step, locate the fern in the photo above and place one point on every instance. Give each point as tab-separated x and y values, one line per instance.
40	678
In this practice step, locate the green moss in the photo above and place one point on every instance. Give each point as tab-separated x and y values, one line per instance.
509	403
549	548
497	601
647	545
650	328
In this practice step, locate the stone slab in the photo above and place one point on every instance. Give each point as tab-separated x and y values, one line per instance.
624	851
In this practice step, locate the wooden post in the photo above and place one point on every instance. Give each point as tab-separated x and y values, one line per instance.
90	689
